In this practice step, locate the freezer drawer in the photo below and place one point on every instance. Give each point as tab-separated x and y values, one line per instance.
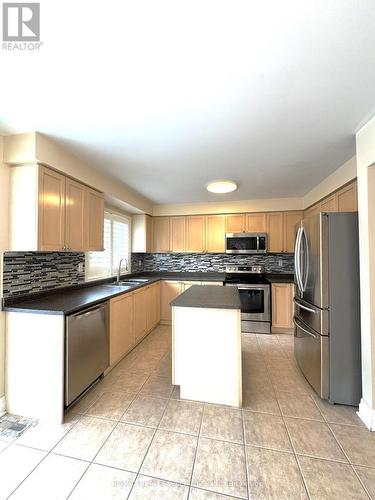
311	353
316	318
86	349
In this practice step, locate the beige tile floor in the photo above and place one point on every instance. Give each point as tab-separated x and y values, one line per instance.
132	437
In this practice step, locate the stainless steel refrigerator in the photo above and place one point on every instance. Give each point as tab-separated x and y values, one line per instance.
327	308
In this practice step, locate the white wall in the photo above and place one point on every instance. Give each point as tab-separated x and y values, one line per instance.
366	182
344	174
3	245
35	147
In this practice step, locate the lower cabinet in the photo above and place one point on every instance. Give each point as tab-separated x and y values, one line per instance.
132	315
169	291
282	305
121	322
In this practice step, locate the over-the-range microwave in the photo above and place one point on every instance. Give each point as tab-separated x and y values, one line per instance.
246	243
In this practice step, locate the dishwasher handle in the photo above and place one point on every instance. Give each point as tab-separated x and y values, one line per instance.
88	312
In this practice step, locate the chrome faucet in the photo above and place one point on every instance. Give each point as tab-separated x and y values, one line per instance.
119	269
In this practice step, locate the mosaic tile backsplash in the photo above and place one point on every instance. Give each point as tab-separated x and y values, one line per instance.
205	262
27	272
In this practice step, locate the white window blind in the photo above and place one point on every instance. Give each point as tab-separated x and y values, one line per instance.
116	247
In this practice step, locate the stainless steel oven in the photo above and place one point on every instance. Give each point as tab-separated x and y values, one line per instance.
246	243
254	293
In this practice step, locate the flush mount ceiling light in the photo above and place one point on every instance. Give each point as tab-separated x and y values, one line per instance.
221	186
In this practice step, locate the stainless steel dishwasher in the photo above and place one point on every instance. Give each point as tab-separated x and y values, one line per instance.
86	349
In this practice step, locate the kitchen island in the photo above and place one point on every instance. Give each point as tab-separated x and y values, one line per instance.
206	345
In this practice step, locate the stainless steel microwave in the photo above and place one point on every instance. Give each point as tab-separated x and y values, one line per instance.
246	243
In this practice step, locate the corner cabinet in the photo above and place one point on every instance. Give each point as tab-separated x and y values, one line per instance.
52	212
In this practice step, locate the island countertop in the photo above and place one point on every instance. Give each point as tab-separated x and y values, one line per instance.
211	297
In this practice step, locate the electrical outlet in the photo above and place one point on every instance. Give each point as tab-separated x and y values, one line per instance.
80	267
280	262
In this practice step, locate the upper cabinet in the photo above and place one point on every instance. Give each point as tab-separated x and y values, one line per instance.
347	198
281	229
215	233
177	234
161	235
52	212
342	200
256	223
142	231
236	223
275	232
291	219
94	220
196	233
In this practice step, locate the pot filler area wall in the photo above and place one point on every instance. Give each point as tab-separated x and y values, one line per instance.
27	272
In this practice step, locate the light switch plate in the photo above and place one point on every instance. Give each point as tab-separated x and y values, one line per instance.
80	267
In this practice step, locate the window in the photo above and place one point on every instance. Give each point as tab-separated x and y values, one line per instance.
116	246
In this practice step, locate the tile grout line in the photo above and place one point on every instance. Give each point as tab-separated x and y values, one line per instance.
290	439
109	435
348	459
148	448
196	449
245	453
44	458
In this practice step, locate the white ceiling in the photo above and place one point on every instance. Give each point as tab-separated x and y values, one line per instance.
168	95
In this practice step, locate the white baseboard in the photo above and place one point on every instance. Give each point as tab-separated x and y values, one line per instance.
2	406
367	415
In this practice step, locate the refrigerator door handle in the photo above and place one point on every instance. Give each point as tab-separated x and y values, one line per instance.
305	275
297	259
304	307
303	329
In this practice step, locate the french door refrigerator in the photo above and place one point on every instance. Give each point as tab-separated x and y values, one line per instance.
327	308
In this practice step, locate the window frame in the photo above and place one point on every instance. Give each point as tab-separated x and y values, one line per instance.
112	216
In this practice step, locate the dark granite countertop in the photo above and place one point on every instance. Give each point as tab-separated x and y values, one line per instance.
69	300
211	297
280	278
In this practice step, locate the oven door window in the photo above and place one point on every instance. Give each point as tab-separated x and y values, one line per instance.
252	300
242	243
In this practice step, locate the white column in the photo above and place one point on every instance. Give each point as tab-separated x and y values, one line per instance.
366	211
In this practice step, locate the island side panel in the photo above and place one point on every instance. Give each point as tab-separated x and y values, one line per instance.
35	366
207	354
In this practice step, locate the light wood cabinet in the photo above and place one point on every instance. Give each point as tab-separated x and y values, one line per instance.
195	233
236	223
161	235
75	216
275	232
141	298
142	228
215	233
94	220
347	198
169	290
177	234
282	305
291	219
121	337
343	200
329	204
256	223
51	210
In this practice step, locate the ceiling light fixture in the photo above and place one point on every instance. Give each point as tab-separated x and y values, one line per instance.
221	186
